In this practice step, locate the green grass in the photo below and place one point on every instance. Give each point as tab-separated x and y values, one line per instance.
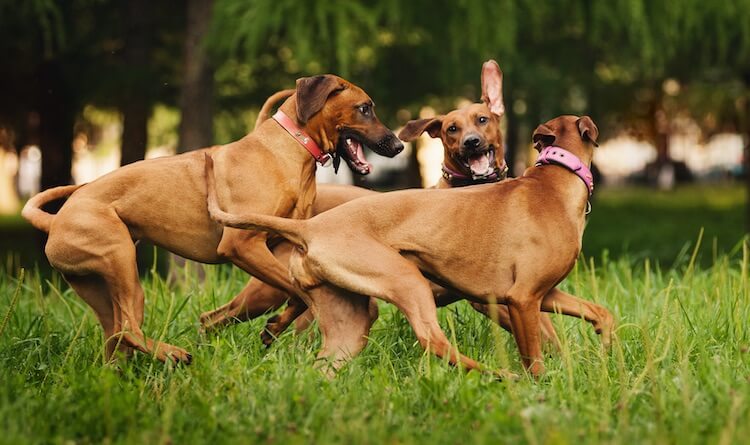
679	370
659	225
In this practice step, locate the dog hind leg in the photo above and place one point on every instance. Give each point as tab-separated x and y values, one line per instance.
345	320
256	299
123	285
383	273
92	289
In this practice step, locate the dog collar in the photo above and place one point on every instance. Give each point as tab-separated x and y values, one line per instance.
559	156
324	159
459	179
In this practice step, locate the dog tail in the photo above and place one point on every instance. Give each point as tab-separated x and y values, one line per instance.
32	211
291	229
265	111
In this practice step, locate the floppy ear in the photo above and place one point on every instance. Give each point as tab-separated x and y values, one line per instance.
542	137
588	129
413	129
492	87
312	93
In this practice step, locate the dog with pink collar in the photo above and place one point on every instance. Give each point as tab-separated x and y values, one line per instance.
510	242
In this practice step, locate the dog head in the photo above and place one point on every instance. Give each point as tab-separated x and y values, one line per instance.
471	136
341	118
576	134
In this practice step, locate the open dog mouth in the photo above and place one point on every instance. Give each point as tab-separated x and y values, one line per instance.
480	162
351	148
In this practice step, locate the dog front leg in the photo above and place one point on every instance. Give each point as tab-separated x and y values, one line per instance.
256	299
558	301
524	310
248	251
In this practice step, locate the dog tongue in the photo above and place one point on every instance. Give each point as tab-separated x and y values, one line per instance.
479	164
362	159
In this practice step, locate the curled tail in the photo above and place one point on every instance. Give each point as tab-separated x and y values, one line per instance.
291	229
265	111
32	211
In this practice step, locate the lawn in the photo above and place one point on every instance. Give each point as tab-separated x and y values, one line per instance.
678	371
661	225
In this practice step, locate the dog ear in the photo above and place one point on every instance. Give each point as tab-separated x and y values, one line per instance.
312	93
543	136
413	129
588	129
492	87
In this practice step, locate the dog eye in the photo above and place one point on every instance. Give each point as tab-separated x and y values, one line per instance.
364	109
483	119
452	129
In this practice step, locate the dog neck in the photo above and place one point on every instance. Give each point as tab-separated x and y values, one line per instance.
304	139
554	155
570	185
456	178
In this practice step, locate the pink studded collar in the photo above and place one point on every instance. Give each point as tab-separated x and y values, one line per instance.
559	156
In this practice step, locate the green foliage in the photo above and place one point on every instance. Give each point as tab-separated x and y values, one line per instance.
37	15
608	59
677	372
254	26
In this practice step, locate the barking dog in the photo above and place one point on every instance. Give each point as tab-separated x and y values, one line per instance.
525	235
271	170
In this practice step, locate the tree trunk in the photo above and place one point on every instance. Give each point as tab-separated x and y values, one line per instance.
197	94
136	104
56	119
196	100
134	130
660	172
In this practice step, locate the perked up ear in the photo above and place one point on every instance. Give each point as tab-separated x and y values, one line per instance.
413	129
588	129
543	136
492	87
312	93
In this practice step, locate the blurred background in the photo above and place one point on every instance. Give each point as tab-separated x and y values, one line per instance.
89	85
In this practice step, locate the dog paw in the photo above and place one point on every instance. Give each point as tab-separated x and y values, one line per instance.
267	337
175	355
503	375
269	334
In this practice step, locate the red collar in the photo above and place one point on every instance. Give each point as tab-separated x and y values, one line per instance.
303	138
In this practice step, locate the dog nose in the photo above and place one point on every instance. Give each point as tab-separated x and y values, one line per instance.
398	146
472	141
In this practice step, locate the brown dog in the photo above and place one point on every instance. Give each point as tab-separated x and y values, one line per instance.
510	242
473	154
270	170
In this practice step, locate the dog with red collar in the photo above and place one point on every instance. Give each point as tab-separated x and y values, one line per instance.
271	170
473	154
